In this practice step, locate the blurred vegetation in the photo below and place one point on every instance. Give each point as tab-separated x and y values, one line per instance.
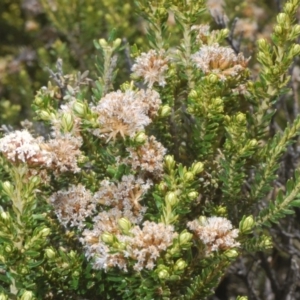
34	34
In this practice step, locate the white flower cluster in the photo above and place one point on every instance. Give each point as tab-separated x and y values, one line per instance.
73	206
147	157
219	60
152	67
216	233
126	113
59	154
21	146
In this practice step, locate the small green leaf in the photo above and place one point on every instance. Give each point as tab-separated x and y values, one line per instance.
34	264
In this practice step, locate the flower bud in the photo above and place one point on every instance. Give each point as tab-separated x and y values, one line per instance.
24	271
72	254
266	243
227	118
67	122
8	248
76	274
188	176
289	8
140	137
253	143
3	296
165	111
171	198
217	101
163	274
50	253
120	246
262	43
278	29
8	188
107	238
180	265
231	253
295	30
103	43
65	265
124	225
246	225
282	19
4	216
38	100
225	32
221	211
162	187
117	42
162	12
213	78
185	237
79	109
202	220
28	295
240	117
295	50
44	115
193	94
170	162
44	232
193	195
197	168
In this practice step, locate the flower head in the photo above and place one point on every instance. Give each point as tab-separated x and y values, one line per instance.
142	246
125	196
221	61
150	101
146	244
123	114
152	67
147	157
73	206
21	146
202	33
216	233
65	150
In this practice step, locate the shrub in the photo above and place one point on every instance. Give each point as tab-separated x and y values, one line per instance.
157	189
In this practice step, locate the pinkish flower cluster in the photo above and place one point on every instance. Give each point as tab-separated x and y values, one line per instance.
142	246
21	146
152	67
59	154
219	60
125	114
124	196
216	233
147	157
145	245
73	206
139	246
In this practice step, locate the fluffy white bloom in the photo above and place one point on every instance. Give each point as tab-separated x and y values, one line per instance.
122	114
221	61
21	146
147	157
73	206
152	67
216	233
